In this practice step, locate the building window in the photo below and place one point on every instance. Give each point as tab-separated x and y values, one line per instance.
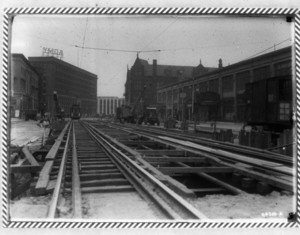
283	68
284	111
111	106
104	106
261	73
107	106
158	97
163	97
202	87
16	85
214	85
169	98
241	80
100	106
285	91
228	109
23	85
227	86
175	95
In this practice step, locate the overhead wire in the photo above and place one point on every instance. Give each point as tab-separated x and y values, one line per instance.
159	50
161	33
115	50
87	18
274	46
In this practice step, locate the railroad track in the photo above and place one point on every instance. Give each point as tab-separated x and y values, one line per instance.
244	150
154	148
91	167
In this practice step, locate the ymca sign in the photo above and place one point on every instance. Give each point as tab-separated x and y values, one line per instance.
53	52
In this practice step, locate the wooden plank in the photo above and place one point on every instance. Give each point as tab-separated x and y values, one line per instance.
109	189
279	167
208	190
45	172
174	159
51	186
44	177
54	149
229	187
59	179
24	169
167	180
76	184
139	142
187	170
29	157
162	152
104	182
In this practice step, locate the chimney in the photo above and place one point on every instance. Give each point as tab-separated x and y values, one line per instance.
220	63
154	68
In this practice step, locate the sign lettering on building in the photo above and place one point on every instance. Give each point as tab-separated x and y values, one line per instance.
53	52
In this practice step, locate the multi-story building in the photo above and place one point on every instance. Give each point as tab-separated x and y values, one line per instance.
151	76
225	86
107	105
72	85
24	88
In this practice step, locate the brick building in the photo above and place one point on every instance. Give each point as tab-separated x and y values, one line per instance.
227	84
107	105
153	76
24	88
72	84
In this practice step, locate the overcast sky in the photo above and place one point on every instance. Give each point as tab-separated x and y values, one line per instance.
182	40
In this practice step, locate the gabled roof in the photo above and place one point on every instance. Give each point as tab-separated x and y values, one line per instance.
175	71
164	70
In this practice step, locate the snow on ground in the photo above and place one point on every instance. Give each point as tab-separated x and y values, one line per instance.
125	206
245	206
29	207
25	131
213	206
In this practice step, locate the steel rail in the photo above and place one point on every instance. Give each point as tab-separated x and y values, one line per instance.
76	190
258	153
44	176
281	183
174	206
55	196
215	152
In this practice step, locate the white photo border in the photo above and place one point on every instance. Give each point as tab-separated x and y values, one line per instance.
9	13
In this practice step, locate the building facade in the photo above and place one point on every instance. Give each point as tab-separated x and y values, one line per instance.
24	88
73	85
151	76
226	84
107	105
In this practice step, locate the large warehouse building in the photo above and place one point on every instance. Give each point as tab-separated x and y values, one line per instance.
72	85
220	94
